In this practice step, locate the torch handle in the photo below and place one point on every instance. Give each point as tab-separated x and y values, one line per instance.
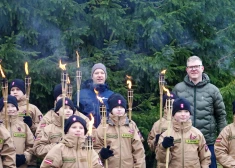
27	106
160	125
6	116
78	97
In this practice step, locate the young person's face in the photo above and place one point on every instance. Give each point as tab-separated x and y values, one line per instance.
118	111
15	91
182	116
76	129
98	76
195	70
67	112
11	109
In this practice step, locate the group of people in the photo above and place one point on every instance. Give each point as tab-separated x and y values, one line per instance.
59	137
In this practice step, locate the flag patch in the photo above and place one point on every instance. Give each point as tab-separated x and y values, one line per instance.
218	140
48	161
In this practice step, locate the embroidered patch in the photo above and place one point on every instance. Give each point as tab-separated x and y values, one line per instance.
43	125
131	131
231	137
38	138
127	135
119	101
140	135
206	147
218	140
83	160
66	101
20	135
19	129
112	136
48	161
68	160
1	141
99	161
177	140
192	141
74	118
182	105
22	114
192	137
13	83
55	135
40	117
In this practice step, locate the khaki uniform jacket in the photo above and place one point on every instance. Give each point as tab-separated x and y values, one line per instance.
35	113
124	141
48	119
225	145
155	130
48	137
7	148
189	150
22	137
70	153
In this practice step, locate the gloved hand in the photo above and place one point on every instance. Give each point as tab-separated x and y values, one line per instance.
105	153
20	160
28	121
157	138
168	142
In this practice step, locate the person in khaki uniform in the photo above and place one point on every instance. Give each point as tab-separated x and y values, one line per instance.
17	89
155	133
47	118
125	149
71	152
225	144
187	144
52	134
20	133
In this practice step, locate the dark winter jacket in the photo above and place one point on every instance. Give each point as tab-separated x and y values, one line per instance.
90	102
208	110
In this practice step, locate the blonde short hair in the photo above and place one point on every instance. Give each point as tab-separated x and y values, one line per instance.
193	58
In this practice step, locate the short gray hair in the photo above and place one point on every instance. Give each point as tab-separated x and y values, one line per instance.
193	58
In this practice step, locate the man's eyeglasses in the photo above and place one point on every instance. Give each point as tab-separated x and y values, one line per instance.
196	67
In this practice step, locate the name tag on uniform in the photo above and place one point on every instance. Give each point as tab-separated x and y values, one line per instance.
23	114
1	141
231	137
192	141
177	141
55	135
68	160
20	135
83	160
112	136
127	135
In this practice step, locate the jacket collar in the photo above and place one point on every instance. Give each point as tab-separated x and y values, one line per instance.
205	80
22	101
179	126
57	120
73	142
118	120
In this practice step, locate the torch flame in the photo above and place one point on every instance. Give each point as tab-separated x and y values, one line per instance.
26	68
128	82
163	71
77	59
166	90
68	81
3	75
90	125
98	97
62	66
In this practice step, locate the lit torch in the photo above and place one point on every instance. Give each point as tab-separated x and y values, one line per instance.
161	85
4	94
27	86
89	143
64	80
129	95
69	89
78	78
169	104
103	113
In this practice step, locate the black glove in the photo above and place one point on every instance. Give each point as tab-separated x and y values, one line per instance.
157	138
20	160
105	153
168	142
28	121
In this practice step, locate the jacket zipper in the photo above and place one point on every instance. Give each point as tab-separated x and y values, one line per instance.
194	106
119	142
182	137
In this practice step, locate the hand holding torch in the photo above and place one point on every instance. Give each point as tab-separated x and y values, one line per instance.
129	95
27	87
64	80
161	85
78	79
5	95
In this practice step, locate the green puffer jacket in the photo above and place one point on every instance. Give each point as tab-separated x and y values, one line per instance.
207	106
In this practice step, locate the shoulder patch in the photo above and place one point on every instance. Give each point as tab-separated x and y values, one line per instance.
99	161
40	117
48	161
218	140
43	125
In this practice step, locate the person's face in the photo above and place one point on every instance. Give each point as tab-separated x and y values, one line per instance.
15	91
195	70
76	129
98	76
118	111
182	116
11	109
67	112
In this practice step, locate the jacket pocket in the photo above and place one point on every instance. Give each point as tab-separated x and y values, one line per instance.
128	162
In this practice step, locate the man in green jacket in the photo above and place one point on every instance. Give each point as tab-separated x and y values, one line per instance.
208	110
